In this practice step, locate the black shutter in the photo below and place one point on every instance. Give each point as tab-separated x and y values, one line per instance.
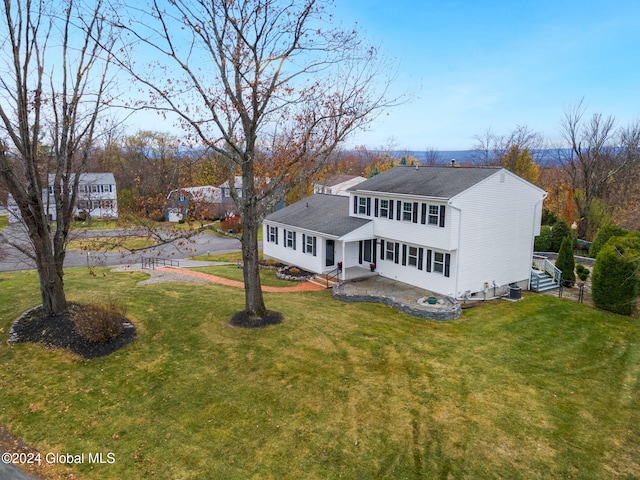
276	235
442	215
447	264
404	254
420	257
360	252
423	216
355	204
397	256
429	252
381	249
415	212
390	209
398	210
314	246
375	208
368	206
304	243
295	234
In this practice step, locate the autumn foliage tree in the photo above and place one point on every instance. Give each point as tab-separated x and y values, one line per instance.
53	89
271	86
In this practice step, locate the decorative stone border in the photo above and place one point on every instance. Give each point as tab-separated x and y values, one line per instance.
13	336
429	312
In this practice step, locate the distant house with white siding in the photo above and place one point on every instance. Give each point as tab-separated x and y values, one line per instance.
337	185
453	231
97	197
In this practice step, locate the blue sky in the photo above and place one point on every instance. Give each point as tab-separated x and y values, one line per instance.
473	65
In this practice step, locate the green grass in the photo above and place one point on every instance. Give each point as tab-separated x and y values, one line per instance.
110	243
232	272
542	388
235	256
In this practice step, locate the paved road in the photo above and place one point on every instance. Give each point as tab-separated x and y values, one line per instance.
12	259
11	472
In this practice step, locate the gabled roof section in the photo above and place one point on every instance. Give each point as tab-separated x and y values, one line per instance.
326	214
425	181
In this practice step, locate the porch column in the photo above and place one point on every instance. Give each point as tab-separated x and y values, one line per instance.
344	262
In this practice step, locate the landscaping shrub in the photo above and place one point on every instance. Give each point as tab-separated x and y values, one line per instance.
566	262
615	282
100	322
559	231
582	271
603	236
232	224
543	241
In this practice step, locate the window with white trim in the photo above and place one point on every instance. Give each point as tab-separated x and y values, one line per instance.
384	208
390	250
412	258
291	239
407	211
308	244
438	262
362	205
434	212
273	234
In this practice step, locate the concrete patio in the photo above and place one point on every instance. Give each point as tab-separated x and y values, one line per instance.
403	297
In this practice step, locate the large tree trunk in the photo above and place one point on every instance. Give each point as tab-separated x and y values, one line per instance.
254	301
49	262
54	301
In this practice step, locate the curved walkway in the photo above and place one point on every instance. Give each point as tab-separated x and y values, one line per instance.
301	287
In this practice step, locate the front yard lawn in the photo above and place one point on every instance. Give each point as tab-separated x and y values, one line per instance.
540	388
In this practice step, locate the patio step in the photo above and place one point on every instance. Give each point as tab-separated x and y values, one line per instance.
323	281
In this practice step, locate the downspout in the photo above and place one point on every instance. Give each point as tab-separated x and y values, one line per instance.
455	292
344	262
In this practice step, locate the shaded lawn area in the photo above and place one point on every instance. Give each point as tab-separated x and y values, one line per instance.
541	388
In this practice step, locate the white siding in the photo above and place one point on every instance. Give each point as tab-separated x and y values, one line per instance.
498	224
297	257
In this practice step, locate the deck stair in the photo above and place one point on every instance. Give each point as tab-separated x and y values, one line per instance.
545	275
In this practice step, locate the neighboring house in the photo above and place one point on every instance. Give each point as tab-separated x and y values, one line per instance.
207	201
337	185
97	197
453	231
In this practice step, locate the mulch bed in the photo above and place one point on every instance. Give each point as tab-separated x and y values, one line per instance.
60	332
244	320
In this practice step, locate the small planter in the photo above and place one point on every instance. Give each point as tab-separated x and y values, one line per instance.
432	300
339	266
372	266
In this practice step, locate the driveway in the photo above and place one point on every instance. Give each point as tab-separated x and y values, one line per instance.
12	258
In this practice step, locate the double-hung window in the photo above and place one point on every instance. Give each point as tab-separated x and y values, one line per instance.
384	208
291	239
362	205
273	234
309	244
390	249
412	258
407	211
434	211
438	262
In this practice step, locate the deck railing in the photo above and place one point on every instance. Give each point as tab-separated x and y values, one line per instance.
150	263
544	265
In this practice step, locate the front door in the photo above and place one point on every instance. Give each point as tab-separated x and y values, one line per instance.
366	251
331	254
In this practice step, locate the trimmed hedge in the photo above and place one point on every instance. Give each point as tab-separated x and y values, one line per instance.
615	282
566	262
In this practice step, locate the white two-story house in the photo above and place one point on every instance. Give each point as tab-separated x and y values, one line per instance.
452	231
97	197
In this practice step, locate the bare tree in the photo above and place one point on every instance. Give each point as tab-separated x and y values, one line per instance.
269	85
597	153
491	147
52	90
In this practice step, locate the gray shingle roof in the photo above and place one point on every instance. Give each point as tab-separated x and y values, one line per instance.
328	214
438	182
